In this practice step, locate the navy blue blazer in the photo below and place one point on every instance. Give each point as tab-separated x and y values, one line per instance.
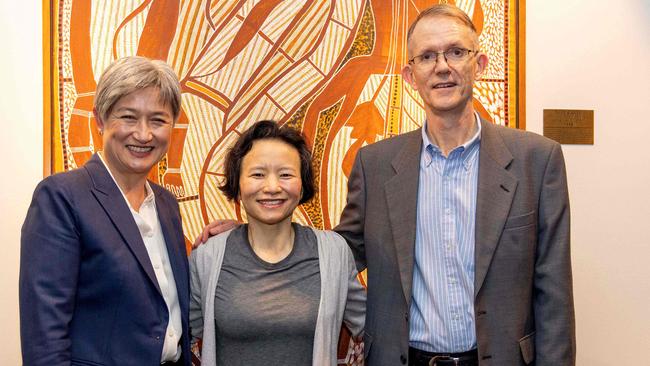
88	292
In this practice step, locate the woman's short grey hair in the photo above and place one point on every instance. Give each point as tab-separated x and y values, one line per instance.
129	74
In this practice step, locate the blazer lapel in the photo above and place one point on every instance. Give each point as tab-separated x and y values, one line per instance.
176	252
111	199
496	189
401	196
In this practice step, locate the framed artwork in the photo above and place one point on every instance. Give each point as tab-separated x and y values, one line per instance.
330	68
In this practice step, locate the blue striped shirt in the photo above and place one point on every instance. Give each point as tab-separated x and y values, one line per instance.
442	307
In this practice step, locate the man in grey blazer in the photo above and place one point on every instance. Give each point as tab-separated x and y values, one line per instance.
462	225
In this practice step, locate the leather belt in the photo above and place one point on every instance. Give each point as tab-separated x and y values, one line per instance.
423	358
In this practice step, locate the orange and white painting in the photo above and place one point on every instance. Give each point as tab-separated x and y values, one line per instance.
330	68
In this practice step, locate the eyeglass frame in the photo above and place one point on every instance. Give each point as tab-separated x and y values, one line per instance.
443	53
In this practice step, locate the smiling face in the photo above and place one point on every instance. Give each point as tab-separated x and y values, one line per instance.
136	134
444	87
270	184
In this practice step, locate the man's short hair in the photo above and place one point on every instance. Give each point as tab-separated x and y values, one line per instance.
444	10
267	130
129	74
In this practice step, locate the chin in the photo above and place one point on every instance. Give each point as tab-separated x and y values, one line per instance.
140	170
448	106
272	220
445	108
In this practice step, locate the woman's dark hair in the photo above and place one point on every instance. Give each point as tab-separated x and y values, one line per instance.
263	130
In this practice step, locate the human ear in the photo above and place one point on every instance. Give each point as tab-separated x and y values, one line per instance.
481	65
98	121
407	75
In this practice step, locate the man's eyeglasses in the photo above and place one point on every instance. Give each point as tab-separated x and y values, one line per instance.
452	55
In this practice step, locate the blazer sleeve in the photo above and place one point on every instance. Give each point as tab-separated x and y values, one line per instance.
553	290
354	315
351	226
49	266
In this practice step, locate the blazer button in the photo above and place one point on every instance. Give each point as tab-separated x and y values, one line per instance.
402	358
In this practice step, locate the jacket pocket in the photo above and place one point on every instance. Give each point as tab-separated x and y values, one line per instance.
518	221
527	347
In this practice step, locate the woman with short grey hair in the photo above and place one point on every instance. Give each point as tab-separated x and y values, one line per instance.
103	266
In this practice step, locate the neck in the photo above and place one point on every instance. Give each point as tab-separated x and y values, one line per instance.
272	243
132	185
451	129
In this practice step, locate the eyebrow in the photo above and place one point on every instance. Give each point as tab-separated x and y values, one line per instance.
135	111
266	167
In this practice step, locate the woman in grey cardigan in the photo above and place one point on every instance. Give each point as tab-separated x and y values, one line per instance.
272	292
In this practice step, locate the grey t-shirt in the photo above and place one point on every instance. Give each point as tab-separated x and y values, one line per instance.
265	313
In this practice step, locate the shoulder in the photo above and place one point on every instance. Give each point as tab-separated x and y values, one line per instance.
214	246
530	152
328	236
331	243
520	139
65	183
389	147
75	176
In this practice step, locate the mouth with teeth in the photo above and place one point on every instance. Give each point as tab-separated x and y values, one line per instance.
271	203
139	149
444	85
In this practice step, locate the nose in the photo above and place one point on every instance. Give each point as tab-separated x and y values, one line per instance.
272	184
142	131
441	66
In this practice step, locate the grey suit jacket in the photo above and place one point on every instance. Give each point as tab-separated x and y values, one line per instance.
523	287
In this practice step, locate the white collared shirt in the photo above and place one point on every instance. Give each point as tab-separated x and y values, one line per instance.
154	241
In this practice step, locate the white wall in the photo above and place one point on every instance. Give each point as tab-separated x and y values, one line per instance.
21	149
596	55
581	54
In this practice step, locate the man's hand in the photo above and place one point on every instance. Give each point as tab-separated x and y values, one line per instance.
214	228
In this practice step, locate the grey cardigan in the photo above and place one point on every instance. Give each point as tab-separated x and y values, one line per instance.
342	298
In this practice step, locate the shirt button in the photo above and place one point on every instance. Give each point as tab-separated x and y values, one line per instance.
171	334
156	266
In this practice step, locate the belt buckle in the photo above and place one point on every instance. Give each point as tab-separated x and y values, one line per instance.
435	359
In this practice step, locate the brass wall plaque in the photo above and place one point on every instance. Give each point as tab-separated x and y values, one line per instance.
569	126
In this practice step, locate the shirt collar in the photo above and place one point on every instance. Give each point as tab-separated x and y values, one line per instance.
430	148
148	199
